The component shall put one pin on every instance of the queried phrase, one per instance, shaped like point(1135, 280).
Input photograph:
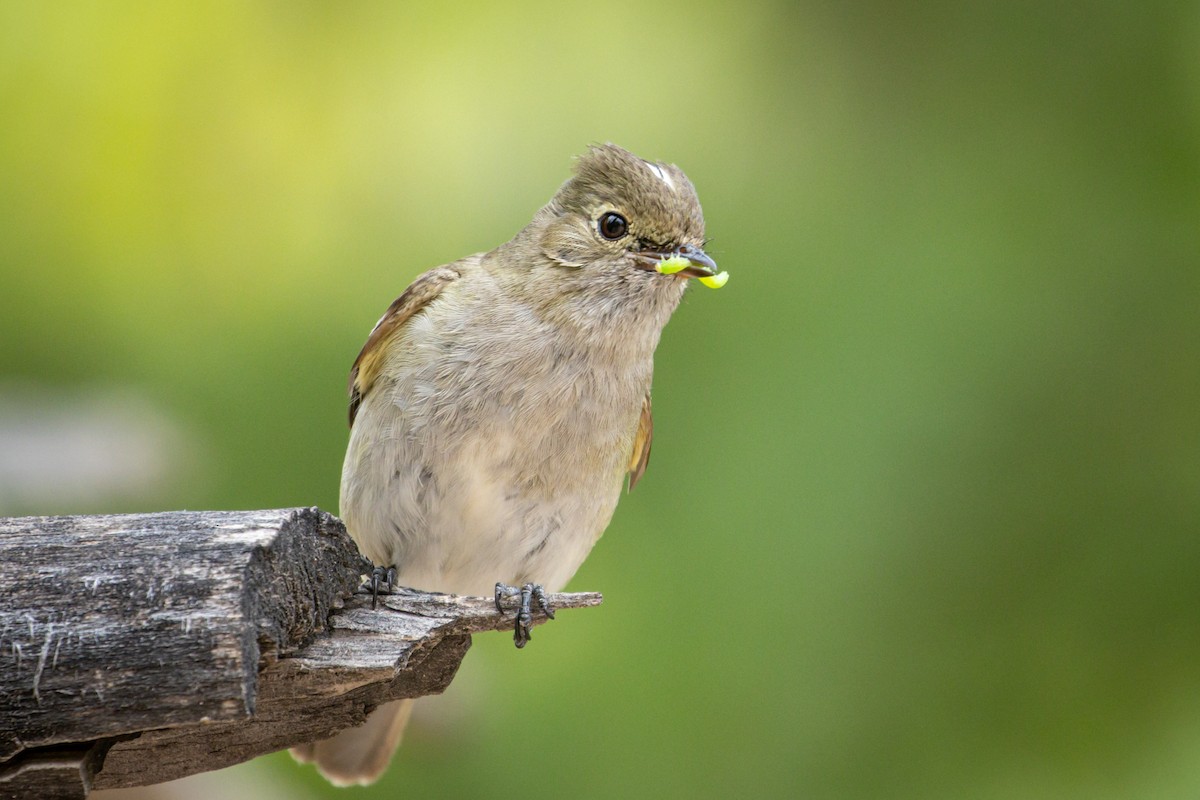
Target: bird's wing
point(370, 359)
point(640, 458)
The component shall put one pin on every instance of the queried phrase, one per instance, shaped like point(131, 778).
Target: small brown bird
point(498, 405)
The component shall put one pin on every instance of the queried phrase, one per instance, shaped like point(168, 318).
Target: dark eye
point(613, 226)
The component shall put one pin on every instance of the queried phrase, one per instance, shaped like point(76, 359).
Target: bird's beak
point(687, 261)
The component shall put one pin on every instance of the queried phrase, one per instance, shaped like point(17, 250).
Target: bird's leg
point(381, 575)
point(529, 593)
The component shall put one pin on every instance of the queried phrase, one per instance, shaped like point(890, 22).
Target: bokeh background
point(923, 515)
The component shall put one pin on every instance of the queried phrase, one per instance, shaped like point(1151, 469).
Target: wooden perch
point(140, 648)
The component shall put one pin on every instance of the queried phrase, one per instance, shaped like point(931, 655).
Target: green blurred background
point(922, 517)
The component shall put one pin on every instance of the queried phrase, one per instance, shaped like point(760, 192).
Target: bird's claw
point(381, 576)
point(529, 594)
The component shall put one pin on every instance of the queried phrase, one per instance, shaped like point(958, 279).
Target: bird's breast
point(504, 455)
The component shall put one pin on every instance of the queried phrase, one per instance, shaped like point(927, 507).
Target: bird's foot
point(529, 594)
point(381, 576)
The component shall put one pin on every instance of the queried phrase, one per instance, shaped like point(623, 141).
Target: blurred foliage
point(922, 518)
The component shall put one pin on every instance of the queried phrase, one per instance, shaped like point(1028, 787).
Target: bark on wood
point(136, 649)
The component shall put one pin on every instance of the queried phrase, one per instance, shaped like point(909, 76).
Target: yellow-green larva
point(669, 266)
point(715, 281)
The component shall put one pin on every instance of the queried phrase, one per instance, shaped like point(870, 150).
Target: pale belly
point(458, 508)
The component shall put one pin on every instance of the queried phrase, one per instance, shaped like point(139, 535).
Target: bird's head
point(633, 220)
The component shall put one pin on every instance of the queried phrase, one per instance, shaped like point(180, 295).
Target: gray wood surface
point(140, 648)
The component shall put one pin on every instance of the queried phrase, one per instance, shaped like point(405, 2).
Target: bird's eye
point(613, 225)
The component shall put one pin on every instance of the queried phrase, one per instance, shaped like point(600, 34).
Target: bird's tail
point(359, 755)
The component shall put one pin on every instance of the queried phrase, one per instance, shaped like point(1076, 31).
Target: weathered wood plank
point(112, 624)
point(136, 649)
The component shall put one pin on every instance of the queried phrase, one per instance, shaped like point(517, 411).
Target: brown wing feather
point(640, 458)
point(370, 358)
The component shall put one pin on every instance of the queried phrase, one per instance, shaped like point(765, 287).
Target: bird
point(502, 401)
